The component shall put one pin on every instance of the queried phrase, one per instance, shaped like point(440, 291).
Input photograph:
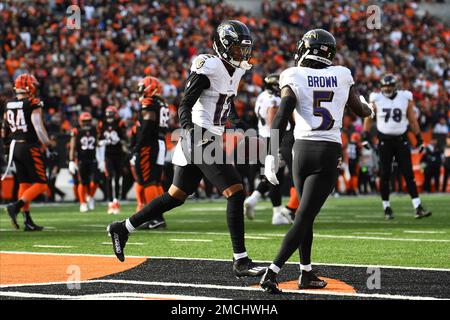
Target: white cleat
point(84, 207)
point(91, 203)
point(277, 218)
point(285, 212)
point(249, 210)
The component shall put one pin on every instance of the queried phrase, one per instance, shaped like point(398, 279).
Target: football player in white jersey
point(266, 106)
point(204, 109)
point(394, 113)
point(317, 93)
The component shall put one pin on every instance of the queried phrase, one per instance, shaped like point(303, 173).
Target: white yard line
point(225, 260)
point(106, 296)
point(191, 240)
point(237, 288)
point(128, 243)
point(52, 246)
point(423, 231)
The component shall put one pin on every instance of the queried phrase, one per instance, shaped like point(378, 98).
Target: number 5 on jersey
point(319, 111)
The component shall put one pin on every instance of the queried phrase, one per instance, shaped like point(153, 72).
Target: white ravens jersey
point(213, 106)
point(321, 98)
point(264, 101)
point(392, 113)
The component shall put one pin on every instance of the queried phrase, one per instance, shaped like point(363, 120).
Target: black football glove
point(419, 144)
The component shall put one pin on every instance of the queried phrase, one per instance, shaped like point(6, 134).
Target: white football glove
point(372, 110)
point(73, 167)
point(102, 166)
point(133, 161)
point(270, 170)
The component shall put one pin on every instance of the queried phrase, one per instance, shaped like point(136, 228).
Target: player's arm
point(368, 120)
point(271, 112)
point(358, 104)
point(148, 129)
point(41, 132)
point(234, 118)
point(284, 113)
point(196, 83)
point(413, 123)
point(279, 123)
point(72, 145)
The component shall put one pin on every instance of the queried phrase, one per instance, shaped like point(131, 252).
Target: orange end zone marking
point(333, 285)
point(42, 268)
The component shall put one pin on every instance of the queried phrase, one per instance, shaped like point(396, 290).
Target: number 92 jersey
point(392, 113)
point(213, 106)
point(321, 98)
point(86, 142)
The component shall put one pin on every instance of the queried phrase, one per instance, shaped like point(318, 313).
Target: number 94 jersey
point(321, 98)
point(392, 113)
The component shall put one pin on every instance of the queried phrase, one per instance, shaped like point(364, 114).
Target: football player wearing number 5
point(317, 93)
point(394, 109)
point(83, 160)
point(23, 116)
point(208, 100)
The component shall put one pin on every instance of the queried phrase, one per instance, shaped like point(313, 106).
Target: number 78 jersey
point(321, 98)
point(392, 113)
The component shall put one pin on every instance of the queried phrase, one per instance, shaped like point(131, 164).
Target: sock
point(140, 196)
point(82, 192)
point(277, 210)
point(22, 188)
point(129, 226)
point(26, 217)
point(416, 202)
point(155, 209)
point(293, 200)
point(241, 255)
point(307, 267)
point(386, 204)
point(32, 192)
point(274, 268)
point(151, 192)
point(235, 220)
point(92, 188)
point(354, 180)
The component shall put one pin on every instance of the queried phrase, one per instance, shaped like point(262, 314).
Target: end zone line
point(227, 260)
point(222, 287)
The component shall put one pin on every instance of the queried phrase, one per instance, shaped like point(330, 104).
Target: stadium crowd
point(118, 43)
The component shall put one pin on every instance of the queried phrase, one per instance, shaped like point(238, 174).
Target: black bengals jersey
point(86, 142)
point(149, 136)
point(114, 133)
point(18, 118)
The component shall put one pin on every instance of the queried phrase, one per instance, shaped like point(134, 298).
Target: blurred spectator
point(432, 161)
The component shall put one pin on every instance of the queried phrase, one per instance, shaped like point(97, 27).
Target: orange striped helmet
point(85, 118)
point(26, 83)
point(149, 86)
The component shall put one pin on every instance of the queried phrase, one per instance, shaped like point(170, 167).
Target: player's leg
point(117, 167)
point(228, 181)
point(31, 169)
point(315, 170)
point(108, 184)
point(84, 180)
point(403, 157)
point(186, 179)
point(275, 197)
point(386, 149)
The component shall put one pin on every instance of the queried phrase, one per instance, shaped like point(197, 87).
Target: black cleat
point(31, 226)
point(269, 282)
point(245, 267)
point(308, 280)
point(13, 210)
point(388, 213)
point(421, 212)
point(157, 224)
point(119, 235)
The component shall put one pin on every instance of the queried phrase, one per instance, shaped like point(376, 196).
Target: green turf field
point(348, 231)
